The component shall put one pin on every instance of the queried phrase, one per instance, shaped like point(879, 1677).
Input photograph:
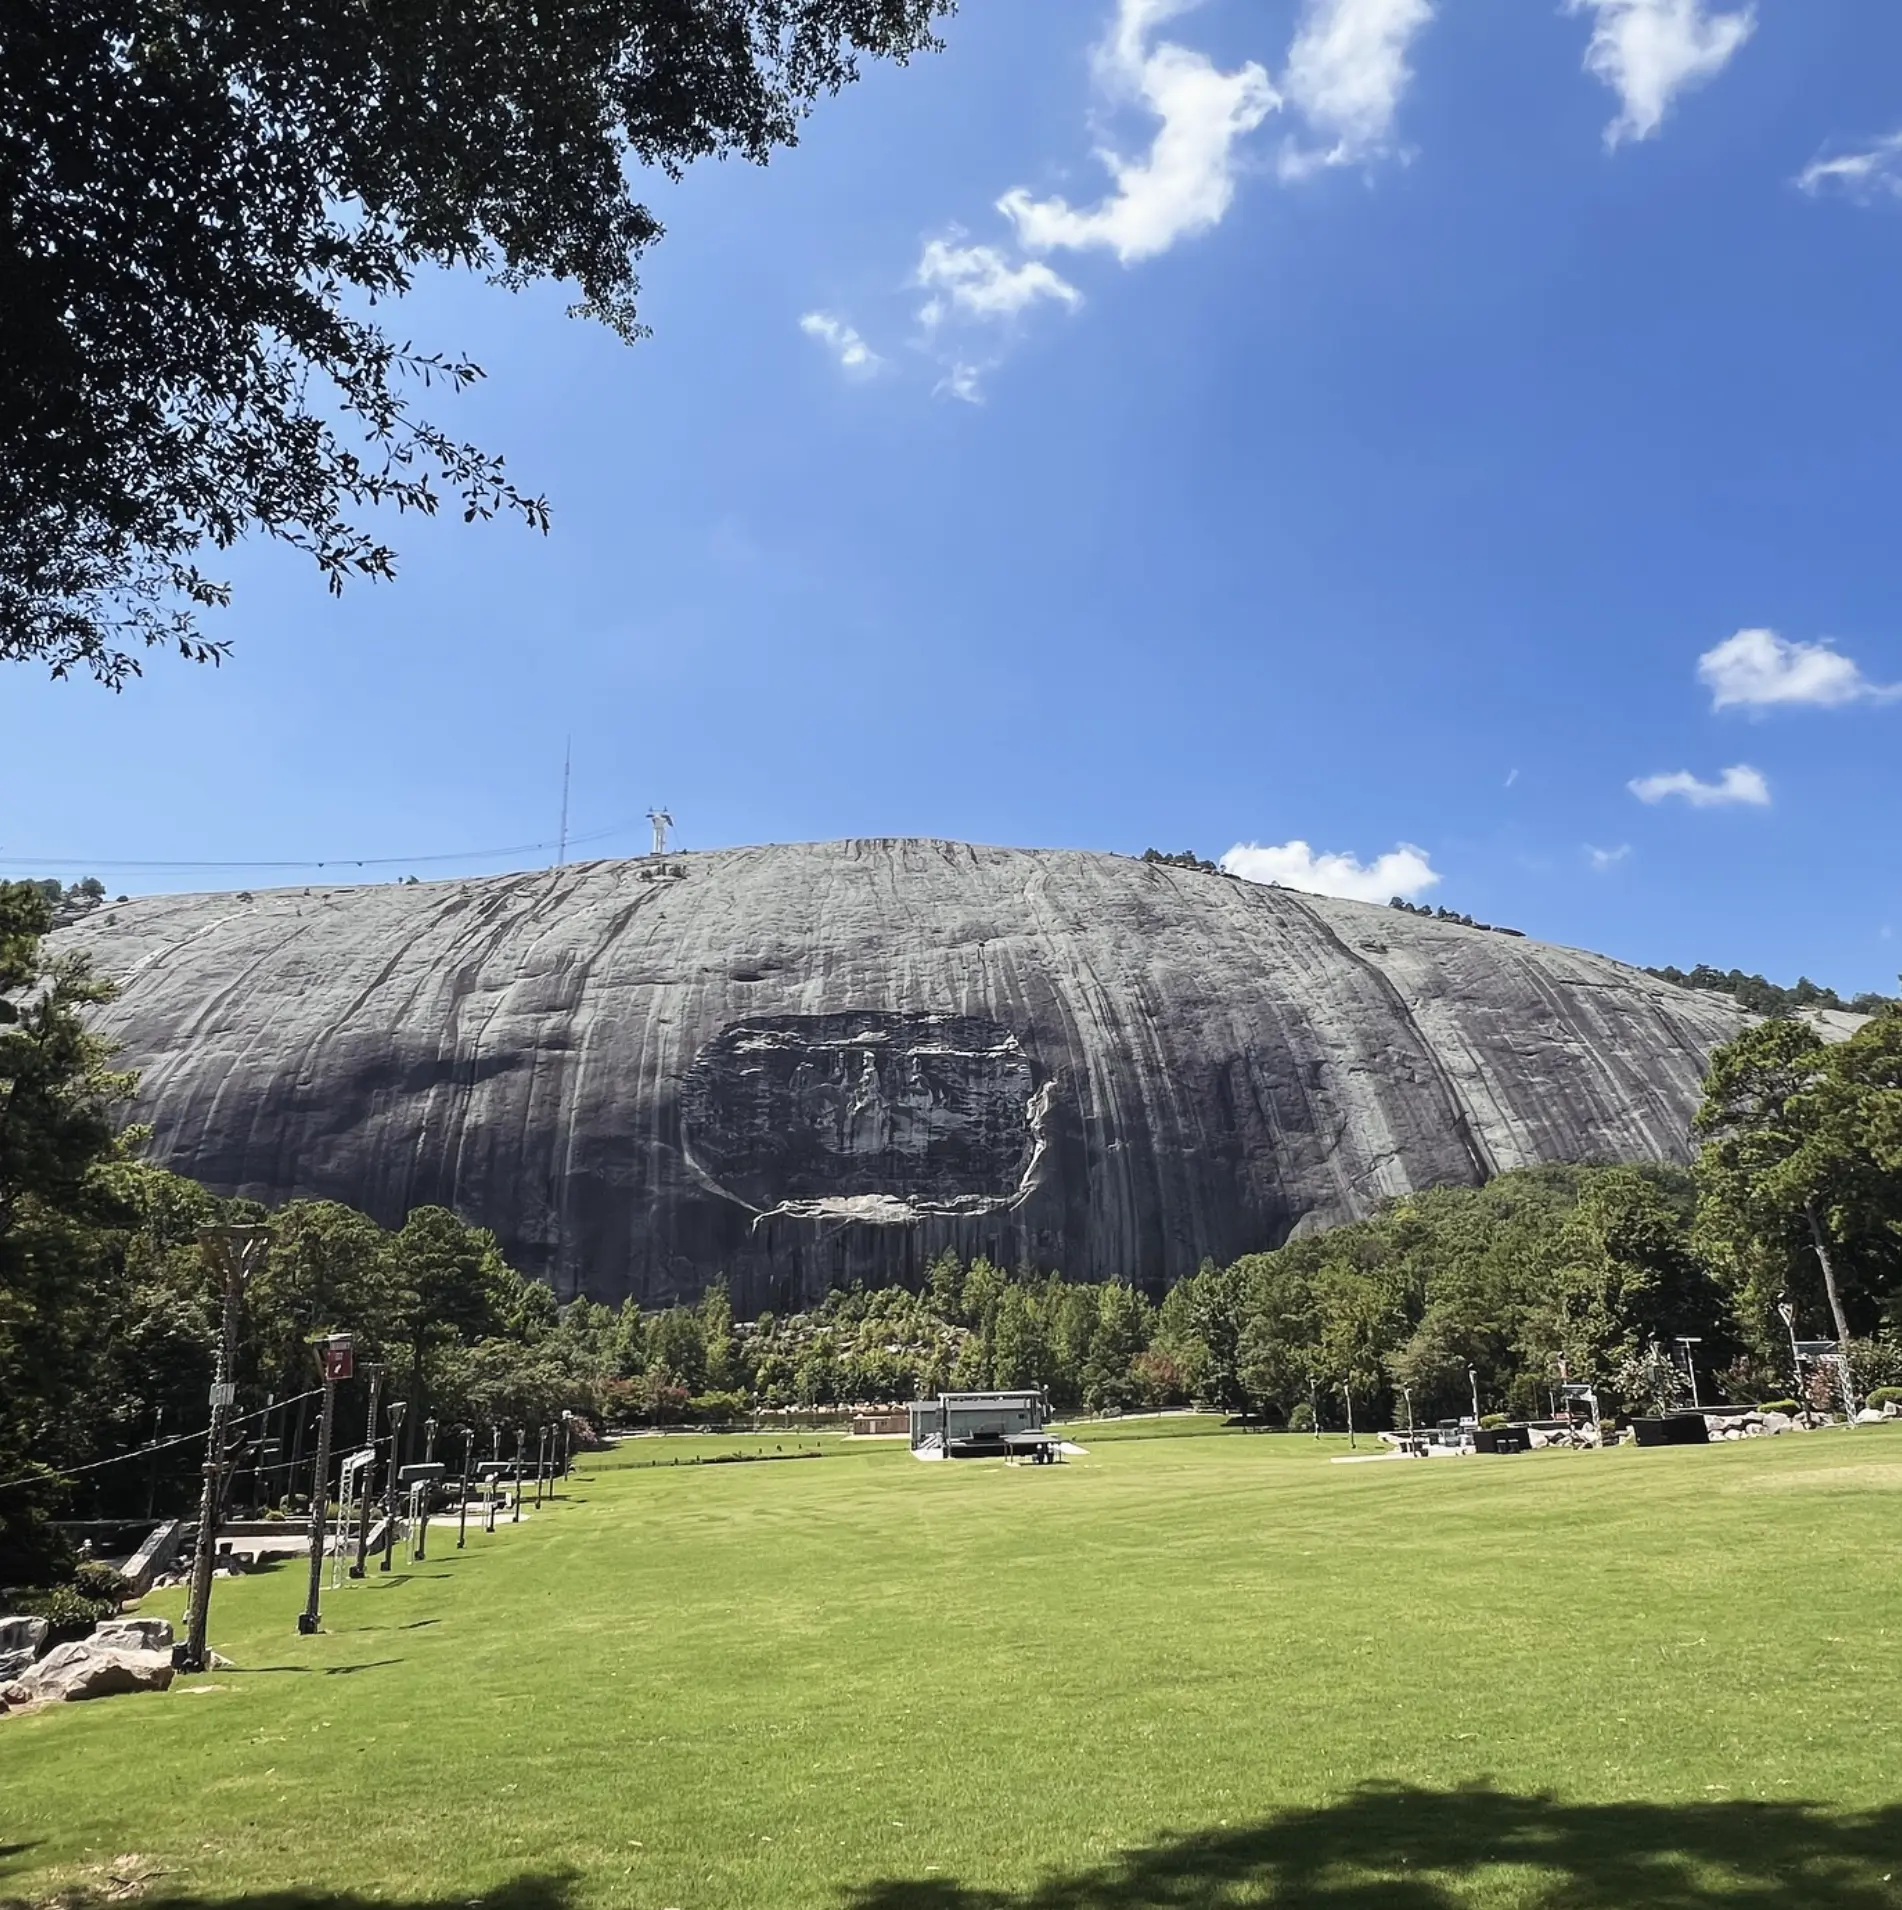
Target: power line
point(332, 862)
point(162, 1445)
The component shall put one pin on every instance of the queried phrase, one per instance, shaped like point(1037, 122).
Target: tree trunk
point(1820, 1241)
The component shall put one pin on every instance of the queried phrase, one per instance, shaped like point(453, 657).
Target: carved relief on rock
point(865, 1114)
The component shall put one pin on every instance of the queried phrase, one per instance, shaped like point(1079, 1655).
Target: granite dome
point(808, 1063)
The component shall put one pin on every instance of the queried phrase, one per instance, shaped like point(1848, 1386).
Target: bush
point(718, 1406)
point(1492, 1421)
point(1886, 1396)
point(1788, 1407)
point(103, 1583)
point(1301, 1418)
point(70, 1614)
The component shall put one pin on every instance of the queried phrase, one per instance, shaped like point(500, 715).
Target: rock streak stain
point(802, 1064)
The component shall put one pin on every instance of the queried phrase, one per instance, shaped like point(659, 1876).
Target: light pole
point(1472, 1380)
point(567, 1441)
point(397, 1409)
point(1687, 1341)
point(1347, 1393)
point(151, 1484)
point(335, 1356)
point(1788, 1311)
point(1314, 1405)
point(232, 1254)
point(423, 1492)
point(369, 1476)
point(521, 1440)
point(462, 1507)
point(1406, 1393)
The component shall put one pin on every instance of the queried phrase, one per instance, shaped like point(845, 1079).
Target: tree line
point(1763, 997)
point(1591, 1274)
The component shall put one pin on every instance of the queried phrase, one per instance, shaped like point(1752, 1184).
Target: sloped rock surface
point(815, 1062)
point(134, 1634)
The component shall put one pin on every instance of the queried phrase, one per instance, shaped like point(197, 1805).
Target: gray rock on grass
point(87, 1669)
point(19, 1632)
point(134, 1634)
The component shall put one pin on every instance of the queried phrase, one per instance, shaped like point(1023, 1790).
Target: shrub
point(718, 1406)
point(1886, 1396)
point(70, 1614)
point(101, 1582)
point(1785, 1406)
point(1301, 1418)
point(1492, 1421)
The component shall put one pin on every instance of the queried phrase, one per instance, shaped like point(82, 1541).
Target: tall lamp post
point(462, 1504)
point(397, 1409)
point(1472, 1380)
point(336, 1356)
point(231, 1254)
point(369, 1477)
point(1687, 1341)
point(424, 1492)
point(1788, 1312)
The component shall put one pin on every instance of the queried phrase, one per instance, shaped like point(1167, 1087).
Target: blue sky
point(1450, 441)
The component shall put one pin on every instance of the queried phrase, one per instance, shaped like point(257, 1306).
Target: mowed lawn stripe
point(777, 1684)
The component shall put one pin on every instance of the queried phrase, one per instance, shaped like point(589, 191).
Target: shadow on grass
point(93, 1886)
point(308, 1671)
point(1402, 1848)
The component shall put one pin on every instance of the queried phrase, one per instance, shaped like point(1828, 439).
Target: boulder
point(88, 1669)
point(14, 1663)
point(1871, 1416)
point(21, 1633)
point(134, 1634)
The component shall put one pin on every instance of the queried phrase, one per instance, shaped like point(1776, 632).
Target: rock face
point(134, 1634)
point(23, 1634)
point(798, 1065)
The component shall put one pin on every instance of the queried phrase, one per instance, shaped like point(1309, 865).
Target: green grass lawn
point(1179, 1671)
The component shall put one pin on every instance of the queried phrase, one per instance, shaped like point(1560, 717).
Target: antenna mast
point(662, 822)
point(567, 758)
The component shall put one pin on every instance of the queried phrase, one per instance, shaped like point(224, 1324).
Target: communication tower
point(662, 822)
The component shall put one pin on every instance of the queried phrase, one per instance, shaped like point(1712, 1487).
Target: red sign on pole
point(339, 1357)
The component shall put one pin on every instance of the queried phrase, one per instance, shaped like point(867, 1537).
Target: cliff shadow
point(1399, 1847)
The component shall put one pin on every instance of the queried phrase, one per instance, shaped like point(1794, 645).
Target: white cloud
point(1605, 859)
point(1738, 784)
point(1648, 51)
point(978, 281)
point(961, 381)
point(1346, 72)
point(1403, 871)
point(1757, 668)
point(1864, 175)
point(1185, 182)
point(847, 346)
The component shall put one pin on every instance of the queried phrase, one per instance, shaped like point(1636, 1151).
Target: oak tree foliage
point(204, 210)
